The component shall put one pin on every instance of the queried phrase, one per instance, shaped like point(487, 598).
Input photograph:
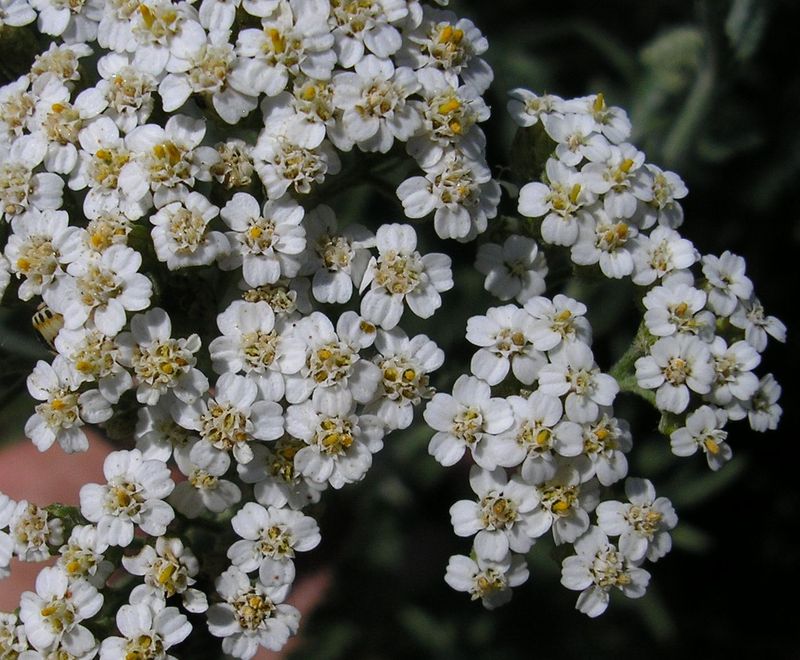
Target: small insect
point(48, 324)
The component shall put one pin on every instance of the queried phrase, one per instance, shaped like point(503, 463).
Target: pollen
point(449, 106)
point(276, 40)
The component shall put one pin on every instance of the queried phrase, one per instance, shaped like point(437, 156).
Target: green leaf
point(691, 539)
point(744, 26)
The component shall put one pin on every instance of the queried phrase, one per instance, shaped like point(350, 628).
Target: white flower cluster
point(545, 454)
point(104, 201)
point(121, 177)
point(703, 327)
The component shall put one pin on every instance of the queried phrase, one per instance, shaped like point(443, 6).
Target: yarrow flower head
point(191, 189)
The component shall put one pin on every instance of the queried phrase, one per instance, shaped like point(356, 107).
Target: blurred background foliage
point(713, 94)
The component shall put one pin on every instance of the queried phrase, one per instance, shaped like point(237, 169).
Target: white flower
point(703, 431)
point(488, 580)
point(102, 156)
point(39, 248)
point(127, 89)
point(101, 287)
point(83, 556)
point(557, 321)
point(675, 365)
point(289, 299)
point(168, 569)
point(677, 307)
point(166, 157)
point(115, 30)
point(563, 503)
point(232, 419)
point(527, 108)
point(733, 372)
point(251, 343)
point(252, 614)
point(622, 180)
point(60, 60)
point(17, 99)
point(763, 410)
point(663, 208)
point(499, 518)
point(606, 241)
point(154, 27)
point(460, 190)
point(60, 121)
point(573, 371)
point(373, 100)
point(74, 23)
point(284, 157)
point(204, 489)
point(309, 112)
point(234, 168)
point(727, 282)
point(444, 41)
point(449, 115)
point(265, 242)
point(660, 253)
point(749, 316)
point(5, 275)
point(146, 628)
point(95, 358)
point(504, 335)
point(157, 435)
point(105, 229)
point(160, 363)
point(605, 443)
point(63, 409)
point(54, 613)
point(576, 138)
point(515, 269)
point(220, 14)
point(276, 482)
point(357, 25)
point(20, 188)
point(333, 366)
point(31, 530)
point(273, 533)
point(611, 121)
point(16, 13)
point(133, 494)
point(181, 237)
point(293, 39)
point(336, 259)
point(401, 274)
point(537, 438)
point(559, 201)
point(339, 443)
point(12, 638)
point(465, 419)
point(596, 568)
point(405, 364)
point(206, 67)
point(643, 524)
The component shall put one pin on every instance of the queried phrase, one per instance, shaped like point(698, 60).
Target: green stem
point(679, 143)
point(624, 371)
